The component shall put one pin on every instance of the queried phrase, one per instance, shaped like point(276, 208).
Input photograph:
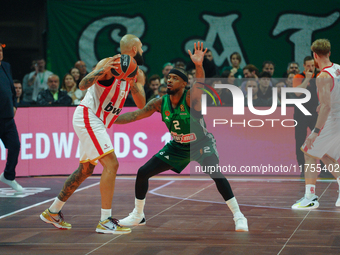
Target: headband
point(179, 73)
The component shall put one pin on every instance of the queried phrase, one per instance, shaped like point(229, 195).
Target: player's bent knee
point(142, 173)
point(110, 162)
point(86, 169)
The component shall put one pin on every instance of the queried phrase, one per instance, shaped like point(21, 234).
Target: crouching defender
point(193, 144)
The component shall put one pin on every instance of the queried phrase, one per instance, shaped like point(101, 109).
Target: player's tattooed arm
point(137, 90)
point(151, 107)
point(91, 78)
point(103, 67)
point(74, 180)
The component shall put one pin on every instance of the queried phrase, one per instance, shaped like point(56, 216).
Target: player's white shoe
point(13, 184)
point(306, 204)
point(134, 219)
point(337, 203)
point(241, 224)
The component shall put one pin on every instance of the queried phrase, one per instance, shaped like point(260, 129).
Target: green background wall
point(281, 31)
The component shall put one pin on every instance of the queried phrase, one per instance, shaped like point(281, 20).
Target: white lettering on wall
point(140, 145)
point(63, 144)
point(39, 137)
point(3, 150)
point(26, 145)
point(221, 27)
point(117, 144)
point(302, 28)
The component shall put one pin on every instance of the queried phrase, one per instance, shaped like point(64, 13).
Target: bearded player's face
point(139, 55)
point(174, 84)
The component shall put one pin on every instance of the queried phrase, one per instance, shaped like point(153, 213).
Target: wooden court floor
point(184, 216)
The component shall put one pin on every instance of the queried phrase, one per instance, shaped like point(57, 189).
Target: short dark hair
point(265, 75)
point(308, 58)
point(225, 74)
point(293, 62)
point(16, 81)
point(154, 77)
point(268, 62)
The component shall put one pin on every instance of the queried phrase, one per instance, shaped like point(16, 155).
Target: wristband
point(316, 130)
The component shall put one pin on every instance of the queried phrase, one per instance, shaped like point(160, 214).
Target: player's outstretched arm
point(194, 94)
point(137, 90)
point(151, 107)
point(101, 69)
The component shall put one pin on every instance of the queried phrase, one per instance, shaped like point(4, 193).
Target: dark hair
point(268, 62)
point(308, 58)
point(293, 62)
point(225, 74)
point(238, 56)
point(22, 92)
point(251, 68)
point(265, 75)
point(154, 77)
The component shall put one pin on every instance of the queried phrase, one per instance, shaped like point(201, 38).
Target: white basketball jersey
point(107, 101)
point(334, 72)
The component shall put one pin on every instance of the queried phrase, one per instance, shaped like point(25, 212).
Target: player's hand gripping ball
point(127, 69)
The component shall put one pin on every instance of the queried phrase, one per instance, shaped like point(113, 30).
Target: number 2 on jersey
point(176, 124)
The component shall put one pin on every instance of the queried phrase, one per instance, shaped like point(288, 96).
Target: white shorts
point(328, 141)
point(94, 141)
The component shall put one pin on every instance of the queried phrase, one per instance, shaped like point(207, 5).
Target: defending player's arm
point(103, 67)
point(151, 107)
point(193, 98)
point(324, 84)
point(137, 90)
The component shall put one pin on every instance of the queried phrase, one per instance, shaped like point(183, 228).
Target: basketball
point(128, 68)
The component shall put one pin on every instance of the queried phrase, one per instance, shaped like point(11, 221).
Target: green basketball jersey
point(184, 127)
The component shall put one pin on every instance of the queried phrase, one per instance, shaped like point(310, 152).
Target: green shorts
point(180, 155)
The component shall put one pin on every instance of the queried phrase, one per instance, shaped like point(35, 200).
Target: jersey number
point(176, 124)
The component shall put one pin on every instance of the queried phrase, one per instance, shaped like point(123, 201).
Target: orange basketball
point(128, 68)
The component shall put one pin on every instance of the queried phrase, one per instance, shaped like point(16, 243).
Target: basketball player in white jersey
point(324, 141)
point(97, 111)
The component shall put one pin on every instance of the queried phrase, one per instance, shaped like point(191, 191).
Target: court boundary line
point(43, 202)
point(215, 202)
point(309, 211)
point(162, 186)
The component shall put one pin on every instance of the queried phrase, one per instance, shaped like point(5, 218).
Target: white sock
point(338, 180)
point(310, 191)
point(56, 206)
point(105, 213)
point(234, 208)
point(139, 205)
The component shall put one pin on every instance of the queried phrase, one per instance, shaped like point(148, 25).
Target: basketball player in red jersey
point(324, 141)
point(101, 106)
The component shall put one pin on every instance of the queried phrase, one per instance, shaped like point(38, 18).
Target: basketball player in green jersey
point(191, 141)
